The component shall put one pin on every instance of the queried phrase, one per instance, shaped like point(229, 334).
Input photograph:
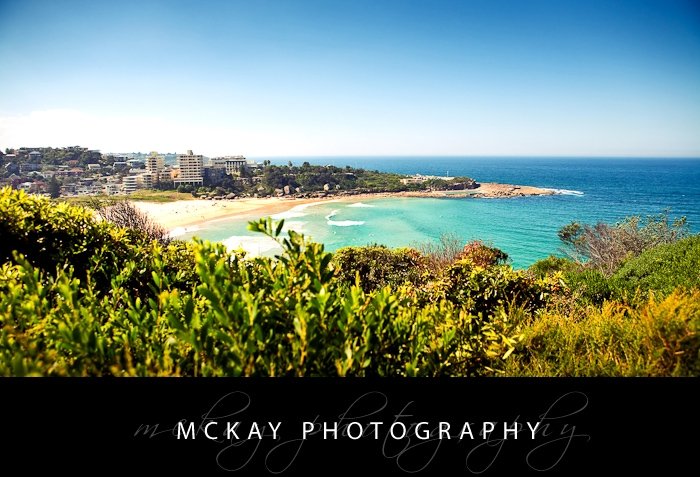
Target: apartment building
point(190, 169)
point(155, 163)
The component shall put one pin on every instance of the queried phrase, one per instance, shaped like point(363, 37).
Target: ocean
point(592, 190)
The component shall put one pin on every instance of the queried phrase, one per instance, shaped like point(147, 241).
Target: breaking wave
point(567, 192)
point(297, 211)
point(345, 223)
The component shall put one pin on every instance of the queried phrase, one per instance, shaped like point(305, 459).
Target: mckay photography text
point(241, 439)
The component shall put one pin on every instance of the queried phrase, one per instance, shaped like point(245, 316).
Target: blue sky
point(381, 77)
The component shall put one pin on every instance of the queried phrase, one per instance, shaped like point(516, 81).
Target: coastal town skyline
point(539, 78)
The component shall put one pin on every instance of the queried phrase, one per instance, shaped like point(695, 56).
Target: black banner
point(350, 426)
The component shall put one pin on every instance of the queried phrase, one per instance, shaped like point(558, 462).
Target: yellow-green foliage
point(289, 319)
point(51, 235)
point(207, 312)
point(658, 338)
point(85, 298)
point(486, 289)
point(378, 266)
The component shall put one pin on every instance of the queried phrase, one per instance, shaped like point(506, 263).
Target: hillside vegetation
point(81, 297)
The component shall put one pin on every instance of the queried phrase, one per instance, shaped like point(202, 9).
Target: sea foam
point(290, 214)
point(567, 192)
point(298, 210)
point(360, 204)
point(345, 223)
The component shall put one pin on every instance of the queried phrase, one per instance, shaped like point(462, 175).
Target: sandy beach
point(183, 214)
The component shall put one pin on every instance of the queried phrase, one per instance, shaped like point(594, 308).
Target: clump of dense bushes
point(660, 270)
point(377, 266)
point(485, 289)
point(476, 278)
point(483, 255)
point(57, 235)
point(550, 265)
point(289, 316)
point(83, 297)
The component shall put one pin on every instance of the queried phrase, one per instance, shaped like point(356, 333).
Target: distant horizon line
point(494, 156)
point(378, 156)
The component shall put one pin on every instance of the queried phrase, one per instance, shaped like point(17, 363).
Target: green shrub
point(485, 290)
point(551, 265)
point(588, 285)
point(661, 270)
point(378, 266)
point(111, 302)
point(51, 235)
point(289, 316)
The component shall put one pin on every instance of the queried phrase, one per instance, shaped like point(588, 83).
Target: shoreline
point(182, 216)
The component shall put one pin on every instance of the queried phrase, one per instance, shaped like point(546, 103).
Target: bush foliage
point(658, 338)
point(289, 316)
point(84, 297)
point(660, 270)
point(377, 266)
point(482, 255)
point(484, 290)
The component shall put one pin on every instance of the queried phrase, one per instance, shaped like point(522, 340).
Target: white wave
point(313, 204)
point(254, 246)
point(290, 214)
point(360, 204)
point(332, 214)
point(298, 210)
point(567, 192)
point(178, 231)
point(345, 223)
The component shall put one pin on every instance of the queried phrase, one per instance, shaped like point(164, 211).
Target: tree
point(125, 214)
point(54, 188)
point(245, 172)
point(605, 247)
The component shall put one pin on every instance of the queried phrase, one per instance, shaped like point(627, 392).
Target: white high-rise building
point(155, 162)
point(129, 184)
point(190, 169)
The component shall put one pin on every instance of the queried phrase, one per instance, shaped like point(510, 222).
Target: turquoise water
point(526, 228)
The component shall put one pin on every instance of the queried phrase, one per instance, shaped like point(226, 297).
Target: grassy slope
point(144, 195)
